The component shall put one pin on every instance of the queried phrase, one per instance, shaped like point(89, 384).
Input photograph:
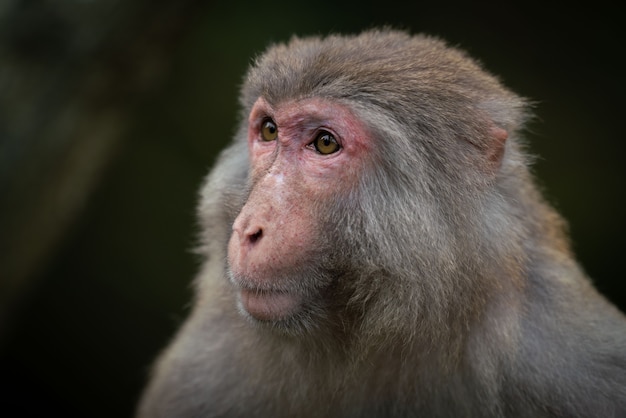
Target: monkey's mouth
point(269, 305)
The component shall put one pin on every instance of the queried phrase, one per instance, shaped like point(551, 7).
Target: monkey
point(375, 245)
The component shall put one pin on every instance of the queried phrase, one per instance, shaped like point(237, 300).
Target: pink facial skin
point(276, 229)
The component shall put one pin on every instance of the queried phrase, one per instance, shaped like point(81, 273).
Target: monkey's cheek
point(270, 305)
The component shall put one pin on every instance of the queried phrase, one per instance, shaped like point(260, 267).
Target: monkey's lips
point(270, 305)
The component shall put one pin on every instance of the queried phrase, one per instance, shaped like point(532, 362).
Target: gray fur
point(455, 291)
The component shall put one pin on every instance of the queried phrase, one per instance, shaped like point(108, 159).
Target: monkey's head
point(375, 165)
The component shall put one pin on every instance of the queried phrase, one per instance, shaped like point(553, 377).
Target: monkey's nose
point(248, 233)
point(255, 236)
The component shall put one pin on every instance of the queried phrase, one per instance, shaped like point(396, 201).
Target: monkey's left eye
point(269, 130)
point(325, 143)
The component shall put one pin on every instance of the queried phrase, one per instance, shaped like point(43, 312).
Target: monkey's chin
point(265, 305)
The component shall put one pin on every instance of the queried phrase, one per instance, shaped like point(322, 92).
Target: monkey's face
point(303, 155)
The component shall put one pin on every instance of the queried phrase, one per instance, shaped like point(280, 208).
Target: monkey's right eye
point(269, 131)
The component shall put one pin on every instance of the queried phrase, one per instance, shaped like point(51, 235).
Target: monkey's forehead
point(410, 76)
point(377, 62)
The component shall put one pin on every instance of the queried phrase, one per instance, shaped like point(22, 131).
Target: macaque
point(375, 246)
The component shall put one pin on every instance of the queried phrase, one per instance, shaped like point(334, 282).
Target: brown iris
point(269, 131)
point(325, 143)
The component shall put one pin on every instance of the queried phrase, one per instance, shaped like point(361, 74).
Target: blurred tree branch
point(72, 73)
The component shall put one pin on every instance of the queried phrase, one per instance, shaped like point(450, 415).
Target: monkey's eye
point(269, 131)
point(325, 143)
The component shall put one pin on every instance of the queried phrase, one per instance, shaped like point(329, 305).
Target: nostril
point(256, 236)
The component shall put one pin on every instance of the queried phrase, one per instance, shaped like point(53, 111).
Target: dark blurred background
point(112, 112)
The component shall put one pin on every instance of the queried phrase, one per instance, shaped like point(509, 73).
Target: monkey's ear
point(495, 151)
